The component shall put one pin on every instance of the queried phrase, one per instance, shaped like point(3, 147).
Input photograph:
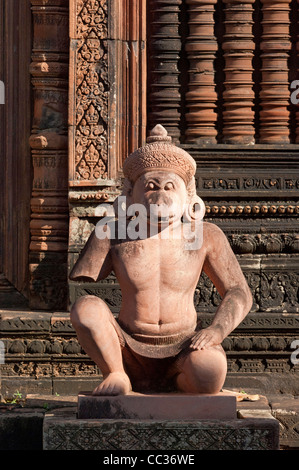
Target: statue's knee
point(88, 311)
point(204, 372)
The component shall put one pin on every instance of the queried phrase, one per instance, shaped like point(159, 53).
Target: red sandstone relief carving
point(90, 76)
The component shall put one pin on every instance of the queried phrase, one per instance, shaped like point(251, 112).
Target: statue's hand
point(210, 336)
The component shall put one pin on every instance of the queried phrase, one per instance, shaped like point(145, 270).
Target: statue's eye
point(151, 185)
point(168, 186)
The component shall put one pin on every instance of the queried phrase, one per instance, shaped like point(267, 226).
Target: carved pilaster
point(49, 203)
point(201, 96)
point(107, 87)
point(164, 102)
point(88, 91)
point(238, 46)
point(275, 94)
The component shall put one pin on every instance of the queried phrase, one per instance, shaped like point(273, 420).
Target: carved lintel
point(255, 209)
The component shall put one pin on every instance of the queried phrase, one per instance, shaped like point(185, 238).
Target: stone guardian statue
point(156, 343)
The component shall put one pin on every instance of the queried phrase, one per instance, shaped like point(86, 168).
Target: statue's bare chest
point(156, 261)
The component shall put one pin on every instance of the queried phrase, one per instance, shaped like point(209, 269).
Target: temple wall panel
point(217, 74)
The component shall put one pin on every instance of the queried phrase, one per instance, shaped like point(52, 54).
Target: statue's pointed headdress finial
point(159, 134)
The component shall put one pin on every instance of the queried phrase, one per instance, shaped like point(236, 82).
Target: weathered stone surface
point(48, 402)
point(63, 431)
point(285, 409)
point(160, 406)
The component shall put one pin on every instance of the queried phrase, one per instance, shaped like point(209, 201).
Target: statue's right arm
point(94, 262)
point(223, 269)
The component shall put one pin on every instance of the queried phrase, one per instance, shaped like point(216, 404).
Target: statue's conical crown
point(159, 154)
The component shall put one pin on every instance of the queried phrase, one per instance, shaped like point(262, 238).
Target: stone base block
point(64, 431)
point(173, 406)
point(21, 429)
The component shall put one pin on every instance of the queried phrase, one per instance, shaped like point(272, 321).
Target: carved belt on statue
point(158, 347)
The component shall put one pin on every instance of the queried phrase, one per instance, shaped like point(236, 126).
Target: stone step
point(20, 421)
point(62, 430)
point(171, 406)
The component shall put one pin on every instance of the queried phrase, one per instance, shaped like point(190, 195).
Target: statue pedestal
point(161, 406)
point(163, 428)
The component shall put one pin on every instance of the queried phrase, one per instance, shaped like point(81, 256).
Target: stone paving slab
point(50, 401)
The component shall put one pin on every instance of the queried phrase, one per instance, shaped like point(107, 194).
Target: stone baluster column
point(275, 87)
point(238, 96)
point(201, 97)
point(48, 141)
point(136, 75)
point(164, 100)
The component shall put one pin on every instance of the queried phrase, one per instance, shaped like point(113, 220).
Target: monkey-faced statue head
point(160, 176)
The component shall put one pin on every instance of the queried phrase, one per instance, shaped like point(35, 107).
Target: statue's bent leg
point(97, 333)
point(202, 371)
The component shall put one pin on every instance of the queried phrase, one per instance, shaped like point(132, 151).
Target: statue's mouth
point(160, 218)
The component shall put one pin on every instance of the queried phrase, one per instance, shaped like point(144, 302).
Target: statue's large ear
point(195, 210)
point(195, 207)
point(123, 201)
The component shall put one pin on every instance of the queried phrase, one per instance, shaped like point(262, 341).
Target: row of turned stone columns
point(164, 85)
point(239, 94)
point(275, 86)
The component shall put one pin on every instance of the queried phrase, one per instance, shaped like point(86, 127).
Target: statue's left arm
point(222, 267)
point(94, 262)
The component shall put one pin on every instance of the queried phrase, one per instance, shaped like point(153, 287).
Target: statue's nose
point(160, 198)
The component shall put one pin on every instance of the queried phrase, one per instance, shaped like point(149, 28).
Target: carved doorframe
point(15, 174)
point(49, 151)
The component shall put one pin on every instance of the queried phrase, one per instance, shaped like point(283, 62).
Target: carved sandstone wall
point(220, 86)
point(213, 69)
